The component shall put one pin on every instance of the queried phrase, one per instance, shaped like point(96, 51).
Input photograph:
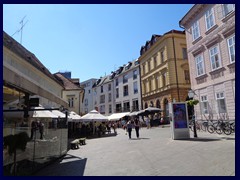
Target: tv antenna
point(21, 29)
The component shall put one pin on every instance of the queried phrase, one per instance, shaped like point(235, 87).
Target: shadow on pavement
point(67, 166)
point(201, 139)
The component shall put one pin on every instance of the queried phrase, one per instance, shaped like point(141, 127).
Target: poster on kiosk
point(179, 120)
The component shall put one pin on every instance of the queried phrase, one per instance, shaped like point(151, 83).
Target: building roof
point(26, 55)
point(67, 83)
point(155, 38)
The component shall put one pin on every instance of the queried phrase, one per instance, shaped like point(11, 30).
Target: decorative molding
point(229, 30)
point(198, 50)
point(214, 40)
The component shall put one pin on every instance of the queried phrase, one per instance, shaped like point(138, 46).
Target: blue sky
point(89, 40)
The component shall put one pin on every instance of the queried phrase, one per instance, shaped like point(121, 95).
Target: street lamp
point(191, 94)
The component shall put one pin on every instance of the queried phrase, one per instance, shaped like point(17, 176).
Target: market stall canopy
point(73, 117)
point(93, 116)
point(117, 116)
point(135, 113)
point(149, 110)
point(42, 113)
point(58, 113)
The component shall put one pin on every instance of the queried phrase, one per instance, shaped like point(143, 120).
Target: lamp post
point(191, 95)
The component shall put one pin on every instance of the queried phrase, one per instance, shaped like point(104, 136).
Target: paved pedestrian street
point(154, 154)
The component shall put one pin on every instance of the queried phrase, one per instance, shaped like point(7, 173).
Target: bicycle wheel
point(227, 131)
point(219, 130)
point(210, 129)
point(204, 126)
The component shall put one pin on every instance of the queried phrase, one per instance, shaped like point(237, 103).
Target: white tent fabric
point(58, 113)
point(43, 113)
point(93, 116)
point(73, 117)
point(117, 116)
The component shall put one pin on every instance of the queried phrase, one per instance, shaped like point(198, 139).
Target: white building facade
point(87, 104)
point(127, 88)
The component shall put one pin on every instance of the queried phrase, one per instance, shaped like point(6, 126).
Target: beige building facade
point(164, 70)
point(210, 33)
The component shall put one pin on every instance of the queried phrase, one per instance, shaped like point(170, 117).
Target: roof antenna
point(21, 29)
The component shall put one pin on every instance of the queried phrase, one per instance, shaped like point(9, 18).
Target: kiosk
point(179, 120)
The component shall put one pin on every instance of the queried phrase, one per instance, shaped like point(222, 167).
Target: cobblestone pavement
point(153, 154)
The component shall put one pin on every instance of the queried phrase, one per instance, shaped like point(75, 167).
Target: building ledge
point(231, 65)
point(201, 76)
point(217, 70)
point(196, 40)
point(211, 29)
point(215, 39)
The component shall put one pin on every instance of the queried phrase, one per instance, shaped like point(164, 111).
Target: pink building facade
point(210, 33)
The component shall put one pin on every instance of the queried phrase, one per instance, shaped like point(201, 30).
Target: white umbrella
point(73, 117)
point(93, 116)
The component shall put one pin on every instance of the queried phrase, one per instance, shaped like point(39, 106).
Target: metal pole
point(194, 125)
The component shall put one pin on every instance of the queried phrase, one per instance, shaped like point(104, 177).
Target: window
point(184, 52)
point(195, 30)
point(164, 76)
point(135, 88)
point(209, 18)
point(125, 78)
point(109, 97)
point(110, 108)
point(101, 89)
point(89, 91)
point(199, 65)
point(116, 82)
point(134, 74)
point(118, 107)
point(221, 102)
point(71, 102)
point(204, 105)
point(125, 90)
point(155, 61)
point(231, 48)
point(149, 65)
point(86, 102)
point(117, 93)
point(102, 98)
point(102, 109)
point(187, 76)
point(135, 105)
point(109, 87)
point(126, 106)
point(162, 57)
point(214, 57)
point(227, 8)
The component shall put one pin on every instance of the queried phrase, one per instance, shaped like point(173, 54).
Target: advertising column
point(179, 120)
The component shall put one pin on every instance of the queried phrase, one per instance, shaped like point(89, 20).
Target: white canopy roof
point(58, 113)
point(43, 113)
point(117, 116)
point(73, 117)
point(93, 116)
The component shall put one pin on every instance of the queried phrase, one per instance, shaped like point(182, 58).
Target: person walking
point(137, 126)
point(148, 122)
point(129, 129)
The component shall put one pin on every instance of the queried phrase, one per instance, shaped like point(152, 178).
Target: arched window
point(158, 105)
point(146, 105)
point(151, 103)
point(166, 107)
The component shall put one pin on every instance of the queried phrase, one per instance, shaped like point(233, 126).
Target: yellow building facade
point(164, 70)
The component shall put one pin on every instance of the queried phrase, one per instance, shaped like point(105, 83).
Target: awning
point(117, 116)
point(43, 113)
point(73, 117)
point(58, 113)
